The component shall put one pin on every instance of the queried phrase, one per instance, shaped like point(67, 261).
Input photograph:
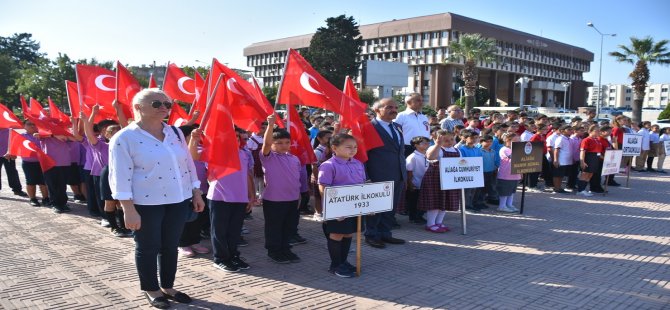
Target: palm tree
point(471, 48)
point(641, 52)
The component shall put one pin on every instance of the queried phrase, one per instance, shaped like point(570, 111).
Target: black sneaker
point(79, 198)
point(127, 232)
point(241, 264)
point(242, 242)
point(306, 212)
point(296, 239)
point(46, 201)
point(57, 209)
point(65, 208)
point(34, 202)
point(560, 191)
point(349, 266)
point(20, 193)
point(279, 258)
point(292, 257)
point(342, 272)
point(227, 266)
point(118, 232)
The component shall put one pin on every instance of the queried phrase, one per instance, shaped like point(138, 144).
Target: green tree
point(8, 73)
point(642, 53)
point(21, 47)
point(45, 79)
point(271, 93)
point(334, 50)
point(665, 114)
point(367, 96)
point(471, 48)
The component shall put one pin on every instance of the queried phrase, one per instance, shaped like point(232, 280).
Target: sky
point(190, 33)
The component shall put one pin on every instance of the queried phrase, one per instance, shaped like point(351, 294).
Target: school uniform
point(417, 163)
point(491, 161)
point(320, 153)
point(255, 144)
point(31, 165)
point(573, 170)
point(9, 164)
point(546, 166)
point(641, 159)
point(280, 198)
point(73, 177)
point(472, 195)
point(507, 181)
point(56, 177)
point(99, 161)
point(432, 197)
point(562, 143)
point(595, 182)
point(92, 198)
point(228, 198)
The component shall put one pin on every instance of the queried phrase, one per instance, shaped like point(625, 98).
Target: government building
point(418, 47)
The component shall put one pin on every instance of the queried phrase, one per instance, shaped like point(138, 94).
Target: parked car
point(661, 123)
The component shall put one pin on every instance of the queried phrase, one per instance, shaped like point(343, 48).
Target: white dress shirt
point(413, 125)
point(148, 171)
point(387, 127)
point(645, 138)
point(418, 164)
point(525, 136)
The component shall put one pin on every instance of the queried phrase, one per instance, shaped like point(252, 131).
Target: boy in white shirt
point(642, 159)
point(416, 164)
point(562, 156)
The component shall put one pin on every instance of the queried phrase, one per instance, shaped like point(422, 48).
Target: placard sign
point(527, 157)
point(461, 172)
point(612, 162)
point(354, 200)
point(632, 144)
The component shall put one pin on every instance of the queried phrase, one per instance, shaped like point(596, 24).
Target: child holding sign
point(341, 169)
point(589, 154)
point(507, 181)
point(665, 136)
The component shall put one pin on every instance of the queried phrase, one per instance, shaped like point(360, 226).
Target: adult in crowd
point(10, 165)
point(455, 118)
point(152, 174)
point(412, 121)
point(385, 163)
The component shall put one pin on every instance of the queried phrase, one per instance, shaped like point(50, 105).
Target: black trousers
point(490, 181)
point(378, 226)
point(91, 196)
point(596, 179)
point(12, 174)
point(191, 233)
point(411, 202)
point(56, 181)
point(573, 172)
point(156, 242)
point(279, 224)
point(226, 219)
point(98, 194)
point(546, 174)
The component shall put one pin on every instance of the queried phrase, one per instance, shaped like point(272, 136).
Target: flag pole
point(281, 82)
point(208, 107)
point(69, 104)
point(76, 73)
point(165, 76)
point(358, 245)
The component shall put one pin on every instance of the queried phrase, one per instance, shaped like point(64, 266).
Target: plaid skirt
point(431, 197)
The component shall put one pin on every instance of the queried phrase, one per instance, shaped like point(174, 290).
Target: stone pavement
point(603, 252)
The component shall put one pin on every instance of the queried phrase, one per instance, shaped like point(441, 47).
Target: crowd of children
point(273, 178)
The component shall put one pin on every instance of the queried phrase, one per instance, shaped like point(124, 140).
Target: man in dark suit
point(385, 163)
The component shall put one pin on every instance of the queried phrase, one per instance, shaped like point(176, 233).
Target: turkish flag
point(200, 104)
point(126, 88)
point(178, 85)
point(247, 113)
point(73, 101)
point(97, 85)
point(300, 145)
point(302, 85)
point(8, 120)
point(265, 103)
point(35, 108)
point(152, 82)
point(57, 114)
point(357, 120)
point(219, 141)
point(199, 84)
point(45, 124)
point(177, 116)
point(20, 146)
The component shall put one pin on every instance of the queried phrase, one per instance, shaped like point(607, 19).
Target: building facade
point(423, 43)
point(621, 96)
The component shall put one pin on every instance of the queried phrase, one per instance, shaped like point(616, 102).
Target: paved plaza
point(603, 252)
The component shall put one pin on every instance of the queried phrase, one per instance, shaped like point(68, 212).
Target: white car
point(661, 123)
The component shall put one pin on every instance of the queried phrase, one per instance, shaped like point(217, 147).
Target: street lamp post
point(566, 85)
point(600, 73)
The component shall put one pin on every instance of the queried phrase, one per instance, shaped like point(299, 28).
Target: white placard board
point(666, 145)
point(632, 144)
point(354, 200)
point(461, 172)
point(612, 162)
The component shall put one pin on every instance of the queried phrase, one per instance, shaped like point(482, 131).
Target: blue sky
point(140, 32)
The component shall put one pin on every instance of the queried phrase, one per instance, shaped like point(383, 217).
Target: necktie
point(395, 135)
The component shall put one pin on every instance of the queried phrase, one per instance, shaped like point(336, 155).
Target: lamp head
point(590, 24)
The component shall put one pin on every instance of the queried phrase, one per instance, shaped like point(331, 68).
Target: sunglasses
point(157, 104)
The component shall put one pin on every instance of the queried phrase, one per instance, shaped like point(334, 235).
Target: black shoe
point(296, 239)
point(342, 272)
point(392, 240)
point(34, 202)
point(242, 242)
point(560, 191)
point(418, 221)
point(279, 258)
point(46, 201)
point(395, 226)
point(117, 232)
point(403, 213)
point(598, 190)
point(306, 212)
point(241, 264)
point(473, 210)
point(493, 201)
point(292, 257)
point(613, 184)
point(349, 266)
point(179, 297)
point(79, 198)
point(57, 209)
point(375, 243)
point(20, 193)
point(66, 208)
point(159, 302)
point(227, 266)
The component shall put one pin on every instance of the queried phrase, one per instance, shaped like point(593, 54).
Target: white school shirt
point(148, 171)
point(418, 164)
point(653, 137)
point(413, 124)
point(252, 145)
point(664, 137)
point(645, 138)
point(525, 136)
point(562, 143)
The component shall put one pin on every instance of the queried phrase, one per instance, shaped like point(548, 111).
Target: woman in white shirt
point(152, 174)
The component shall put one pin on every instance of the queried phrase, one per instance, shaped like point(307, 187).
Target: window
point(651, 99)
point(611, 98)
point(410, 38)
point(651, 90)
point(664, 98)
point(400, 38)
point(426, 36)
point(664, 90)
point(627, 98)
point(612, 90)
point(627, 91)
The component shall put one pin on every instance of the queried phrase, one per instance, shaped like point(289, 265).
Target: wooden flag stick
point(208, 107)
point(358, 245)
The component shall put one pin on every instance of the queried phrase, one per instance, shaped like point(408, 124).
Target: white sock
point(503, 202)
point(510, 199)
point(430, 217)
point(440, 216)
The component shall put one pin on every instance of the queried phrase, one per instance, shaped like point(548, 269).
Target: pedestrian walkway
point(565, 252)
